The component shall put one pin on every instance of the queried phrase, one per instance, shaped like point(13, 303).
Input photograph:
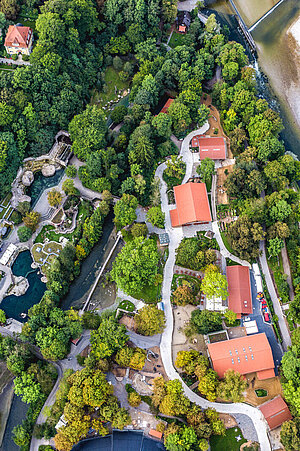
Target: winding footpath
point(176, 236)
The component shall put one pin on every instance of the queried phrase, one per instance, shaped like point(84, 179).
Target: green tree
point(118, 113)
point(71, 171)
point(156, 217)
point(135, 267)
point(10, 8)
point(290, 435)
point(21, 436)
point(183, 295)
point(24, 233)
point(139, 229)
point(150, 320)
point(69, 188)
point(206, 170)
point(27, 388)
point(31, 220)
point(125, 211)
point(206, 321)
point(230, 317)
point(108, 338)
point(54, 198)
point(134, 399)
point(202, 114)
point(88, 131)
point(183, 440)
point(173, 402)
point(275, 246)
point(2, 317)
point(232, 387)
point(214, 284)
point(162, 124)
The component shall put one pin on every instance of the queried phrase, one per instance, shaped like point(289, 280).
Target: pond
point(15, 305)
point(41, 183)
point(120, 441)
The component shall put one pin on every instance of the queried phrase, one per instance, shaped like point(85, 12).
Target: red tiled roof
point(245, 354)
point(210, 147)
point(275, 412)
point(155, 433)
point(239, 289)
point(182, 28)
point(18, 36)
point(192, 204)
point(166, 105)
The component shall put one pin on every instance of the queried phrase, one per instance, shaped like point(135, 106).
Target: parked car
point(267, 317)
point(247, 318)
point(264, 303)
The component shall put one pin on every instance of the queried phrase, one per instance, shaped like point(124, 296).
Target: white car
point(247, 318)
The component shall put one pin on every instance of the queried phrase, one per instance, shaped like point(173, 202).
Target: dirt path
point(287, 271)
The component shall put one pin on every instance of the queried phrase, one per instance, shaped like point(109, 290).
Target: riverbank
point(6, 398)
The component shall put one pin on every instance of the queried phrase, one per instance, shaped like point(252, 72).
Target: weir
point(265, 15)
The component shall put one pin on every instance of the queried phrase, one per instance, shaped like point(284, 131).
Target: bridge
point(244, 29)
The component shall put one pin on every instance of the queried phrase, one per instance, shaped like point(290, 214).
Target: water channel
point(278, 57)
point(41, 183)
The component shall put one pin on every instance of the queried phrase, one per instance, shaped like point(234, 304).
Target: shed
point(275, 412)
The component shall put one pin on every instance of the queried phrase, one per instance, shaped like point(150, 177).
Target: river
point(278, 57)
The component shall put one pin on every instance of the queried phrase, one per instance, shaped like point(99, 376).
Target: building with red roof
point(249, 354)
point(275, 412)
point(18, 39)
point(156, 434)
point(210, 147)
point(167, 106)
point(192, 206)
point(239, 290)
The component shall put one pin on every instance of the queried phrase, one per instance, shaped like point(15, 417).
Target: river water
point(278, 57)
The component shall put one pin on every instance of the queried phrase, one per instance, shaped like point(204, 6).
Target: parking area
point(262, 325)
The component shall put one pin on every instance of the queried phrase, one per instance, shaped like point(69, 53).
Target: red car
point(264, 304)
point(267, 317)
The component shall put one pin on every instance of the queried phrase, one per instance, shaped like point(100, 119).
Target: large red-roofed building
point(275, 412)
point(249, 354)
point(239, 290)
point(212, 147)
point(192, 206)
point(18, 39)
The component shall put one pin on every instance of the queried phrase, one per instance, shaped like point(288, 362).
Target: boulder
point(27, 178)
point(48, 170)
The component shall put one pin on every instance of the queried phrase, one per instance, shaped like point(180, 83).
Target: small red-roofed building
point(239, 290)
point(212, 147)
point(182, 28)
point(249, 354)
point(167, 106)
point(275, 412)
point(18, 39)
point(156, 434)
point(192, 205)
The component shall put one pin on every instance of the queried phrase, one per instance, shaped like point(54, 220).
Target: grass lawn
point(52, 247)
point(127, 305)
point(228, 441)
point(177, 39)
point(183, 278)
point(226, 243)
point(148, 294)
point(111, 80)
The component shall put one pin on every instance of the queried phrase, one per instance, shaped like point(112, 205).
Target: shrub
point(156, 217)
point(15, 57)
point(134, 399)
point(123, 76)
point(25, 57)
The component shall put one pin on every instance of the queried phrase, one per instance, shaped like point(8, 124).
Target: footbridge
point(243, 28)
point(265, 15)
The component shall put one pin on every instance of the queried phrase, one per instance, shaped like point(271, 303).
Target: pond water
point(41, 183)
point(16, 416)
point(15, 305)
point(120, 441)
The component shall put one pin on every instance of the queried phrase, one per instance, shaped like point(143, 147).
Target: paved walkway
point(19, 62)
point(286, 338)
point(287, 271)
point(176, 236)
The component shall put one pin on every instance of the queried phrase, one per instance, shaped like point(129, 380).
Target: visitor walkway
point(176, 235)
